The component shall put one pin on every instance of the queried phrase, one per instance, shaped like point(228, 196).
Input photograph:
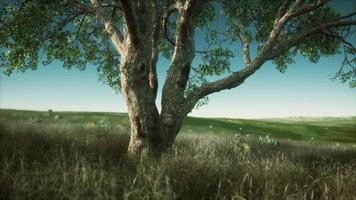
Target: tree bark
point(140, 100)
point(151, 134)
point(138, 75)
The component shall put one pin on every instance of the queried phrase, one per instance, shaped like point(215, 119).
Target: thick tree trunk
point(168, 130)
point(150, 133)
point(137, 45)
point(140, 100)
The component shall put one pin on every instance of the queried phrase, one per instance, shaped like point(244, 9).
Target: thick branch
point(269, 49)
point(236, 78)
point(279, 23)
point(308, 8)
point(296, 9)
point(184, 51)
point(194, 7)
point(80, 7)
point(233, 80)
point(155, 50)
point(130, 19)
point(114, 34)
point(283, 9)
point(245, 45)
point(170, 10)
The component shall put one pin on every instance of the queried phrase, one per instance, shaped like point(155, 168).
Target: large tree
point(125, 39)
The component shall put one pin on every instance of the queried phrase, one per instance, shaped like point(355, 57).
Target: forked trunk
point(150, 134)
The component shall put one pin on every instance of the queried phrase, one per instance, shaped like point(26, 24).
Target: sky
point(305, 89)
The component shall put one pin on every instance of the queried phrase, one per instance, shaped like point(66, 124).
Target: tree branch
point(245, 44)
point(296, 9)
point(80, 24)
point(346, 16)
point(115, 8)
point(78, 30)
point(155, 50)
point(308, 8)
point(170, 10)
point(295, 39)
point(130, 18)
point(269, 49)
point(279, 23)
point(62, 24)
point(115, 35)
point(237, 78)
point(80, 7)
point(327, 33)
point(184, 51)
point(283, 9)
point(233, 80)
point(194, 7)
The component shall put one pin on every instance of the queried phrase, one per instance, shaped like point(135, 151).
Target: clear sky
point(304, 90)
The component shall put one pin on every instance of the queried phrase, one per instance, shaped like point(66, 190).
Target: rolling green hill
point(312, 129)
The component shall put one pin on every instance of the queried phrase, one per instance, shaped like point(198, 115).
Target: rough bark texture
point(138, 76)
point(148, 134)
point(173, 99)
point(140, 101)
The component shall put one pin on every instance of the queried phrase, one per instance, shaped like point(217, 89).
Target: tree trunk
point(169, 127)
point(150, 133)
point(140, 101)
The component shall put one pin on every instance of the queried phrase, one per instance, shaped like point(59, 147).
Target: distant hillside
point(310, 129)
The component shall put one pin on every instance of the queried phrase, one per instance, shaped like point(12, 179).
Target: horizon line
point(255, 118)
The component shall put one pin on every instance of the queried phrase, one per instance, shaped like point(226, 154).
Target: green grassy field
point(79, 155)
point(319, 129)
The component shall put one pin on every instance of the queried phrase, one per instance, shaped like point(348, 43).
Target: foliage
point(259, 17)
point(347, 72)
point(284, 60)
point(215, 62)
point(41, 31)
point(44, 31)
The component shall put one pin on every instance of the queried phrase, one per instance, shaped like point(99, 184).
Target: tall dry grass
point(62, 160)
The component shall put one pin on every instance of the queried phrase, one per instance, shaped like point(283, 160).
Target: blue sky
point(304, 90)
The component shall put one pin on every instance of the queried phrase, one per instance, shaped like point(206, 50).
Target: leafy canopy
point(48, 30)
point(41, 31)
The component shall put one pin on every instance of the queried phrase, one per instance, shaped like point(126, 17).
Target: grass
point(83, 156)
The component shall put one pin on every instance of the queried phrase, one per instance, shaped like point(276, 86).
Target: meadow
point(82, 155)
